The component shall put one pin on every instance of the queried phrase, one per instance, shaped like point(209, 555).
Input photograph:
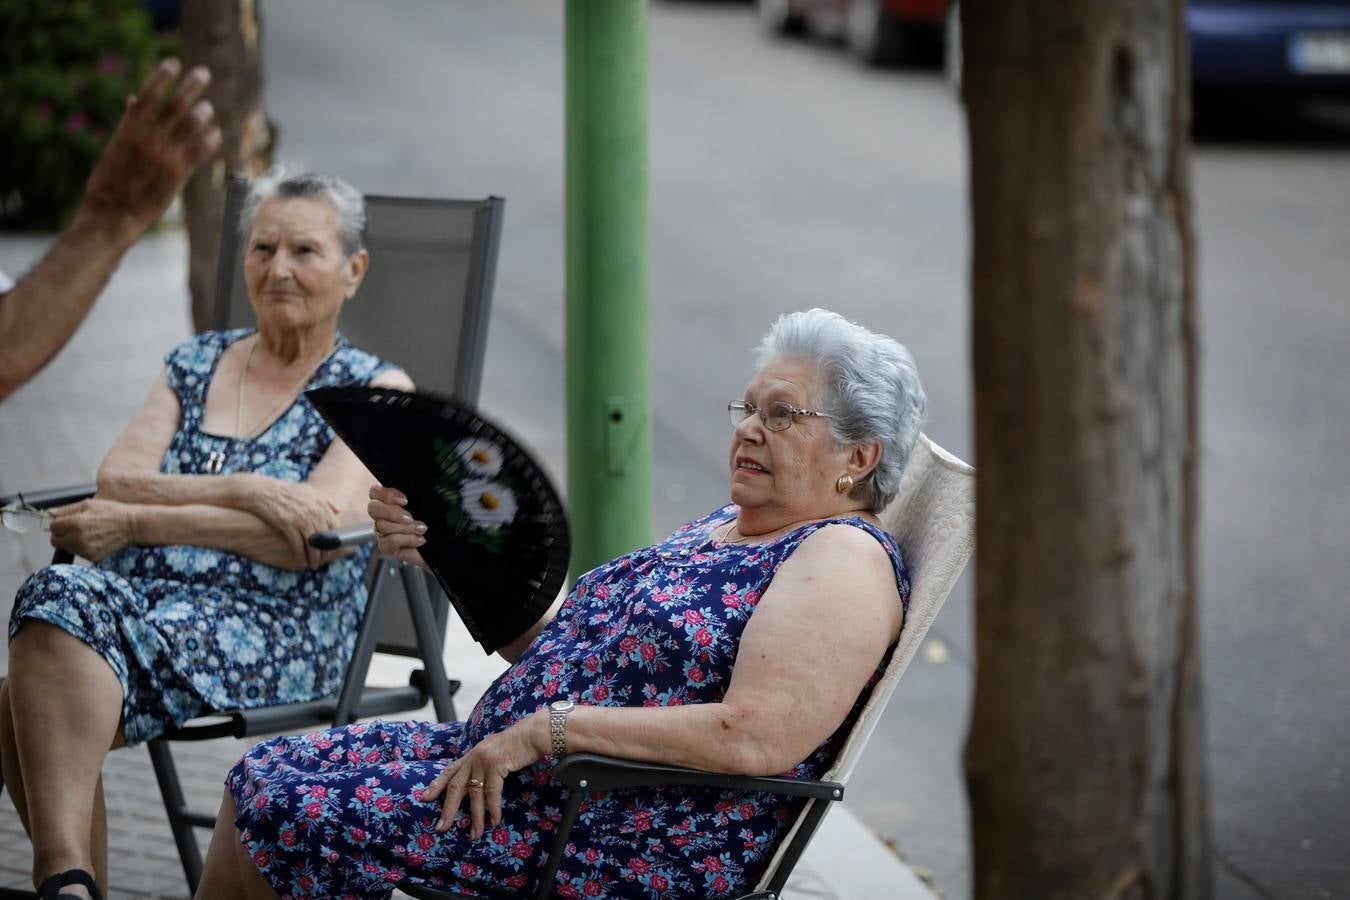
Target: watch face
point(561, 705)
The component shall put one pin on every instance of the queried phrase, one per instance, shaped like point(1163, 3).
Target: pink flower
point(364, 794)
point(356, 834)
point(110, 64)
point(639, 865)
point(384, 804)
point(647, 651)
point(313, 810)
point(720, 884)
point(693, 617)
point(426, 841)
point(628, 644)
point(695, 674)
point(500, 836)
point(599, 692)
point(288, 837)
point(467, 870)
point(712, 864)
point(261, 859)
point(592, 856)
point(318, 790)
point(659, 883)
point(521, 850)
point(591, 888)
point(703, 637)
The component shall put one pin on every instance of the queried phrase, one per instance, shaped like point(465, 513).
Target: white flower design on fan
point(482, 458)
point(488, 503)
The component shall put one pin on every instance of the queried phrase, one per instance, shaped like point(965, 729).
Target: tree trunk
point(224, 35)
point(1085, 759)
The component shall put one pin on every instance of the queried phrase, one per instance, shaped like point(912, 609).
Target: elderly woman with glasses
point(746, 642)
point(204, 593)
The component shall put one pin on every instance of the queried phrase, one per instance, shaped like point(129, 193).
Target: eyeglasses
point(778, 417)
point(24, 518)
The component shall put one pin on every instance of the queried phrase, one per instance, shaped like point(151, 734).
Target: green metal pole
point(609, 433)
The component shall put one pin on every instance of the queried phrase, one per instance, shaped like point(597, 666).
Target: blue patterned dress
point(188, 628)
point(338, 813)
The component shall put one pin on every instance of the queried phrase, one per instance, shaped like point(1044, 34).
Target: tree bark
point(1085, 759)
point(224, 35)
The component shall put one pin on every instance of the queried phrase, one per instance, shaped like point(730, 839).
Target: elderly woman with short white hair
point(204, 594)
point(746, 642)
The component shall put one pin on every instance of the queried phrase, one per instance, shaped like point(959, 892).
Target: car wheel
point(873, 34)
point(777, 16)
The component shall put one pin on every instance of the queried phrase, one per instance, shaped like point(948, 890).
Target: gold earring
point(844, 484)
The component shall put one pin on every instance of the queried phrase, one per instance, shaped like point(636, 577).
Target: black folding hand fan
point(497, 537)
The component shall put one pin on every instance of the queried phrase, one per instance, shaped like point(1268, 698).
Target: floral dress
point(338, 813)
point(189, 629)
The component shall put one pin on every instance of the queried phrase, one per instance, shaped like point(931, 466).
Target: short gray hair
point(277, 184)
point(869, 385)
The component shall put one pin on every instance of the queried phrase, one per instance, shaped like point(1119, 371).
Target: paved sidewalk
point(54, 432)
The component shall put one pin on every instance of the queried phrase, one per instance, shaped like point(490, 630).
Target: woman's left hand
point(93, 529)
point(490, 762)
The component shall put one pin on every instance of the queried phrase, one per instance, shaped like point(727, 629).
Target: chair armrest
point(50, 497)
point(592, 772)
point(337, 538)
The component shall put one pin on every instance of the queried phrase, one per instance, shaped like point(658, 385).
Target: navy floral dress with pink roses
point(338, 813)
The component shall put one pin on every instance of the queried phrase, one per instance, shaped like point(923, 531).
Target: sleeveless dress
point(338, 813)
point(189, 629)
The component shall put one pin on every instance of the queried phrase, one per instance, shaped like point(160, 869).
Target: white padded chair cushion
point(933, 520)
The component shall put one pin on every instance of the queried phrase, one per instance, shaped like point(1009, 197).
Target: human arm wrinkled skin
point(267, 519)
point(777, 709)
point(157, 145)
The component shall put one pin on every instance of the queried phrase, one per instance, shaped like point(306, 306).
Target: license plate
point(1320, 53)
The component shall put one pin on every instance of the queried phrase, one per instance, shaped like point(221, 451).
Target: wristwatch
point(557, 726)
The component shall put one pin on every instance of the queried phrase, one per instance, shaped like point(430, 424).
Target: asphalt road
point(784, 176)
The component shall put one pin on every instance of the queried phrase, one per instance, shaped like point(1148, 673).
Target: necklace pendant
point(215, 461)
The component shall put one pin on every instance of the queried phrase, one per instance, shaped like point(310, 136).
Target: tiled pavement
point(54, 432)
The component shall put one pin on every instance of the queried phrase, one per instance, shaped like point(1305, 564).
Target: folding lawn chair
point(933, 520)
point(424, 305)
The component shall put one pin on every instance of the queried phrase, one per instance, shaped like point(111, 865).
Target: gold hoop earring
point(844, 484)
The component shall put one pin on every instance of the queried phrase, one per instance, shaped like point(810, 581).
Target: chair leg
point(181, 819)
point(353, 684)
point(430, 642)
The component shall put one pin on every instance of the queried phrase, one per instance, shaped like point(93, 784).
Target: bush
point(68, 67)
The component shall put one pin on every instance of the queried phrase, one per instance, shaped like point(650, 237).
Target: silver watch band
point(557, 730)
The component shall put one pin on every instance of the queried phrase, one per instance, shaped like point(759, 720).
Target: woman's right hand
point(399, 534)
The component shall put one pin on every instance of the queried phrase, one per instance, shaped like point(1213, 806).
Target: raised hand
point(156, 146)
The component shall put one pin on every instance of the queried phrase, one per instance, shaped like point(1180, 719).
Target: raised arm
point(807, 652)
point(144, 165)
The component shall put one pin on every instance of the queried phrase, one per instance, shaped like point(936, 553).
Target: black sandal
point(51, 888)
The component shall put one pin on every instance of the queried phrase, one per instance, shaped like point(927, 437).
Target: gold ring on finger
point(475, 784)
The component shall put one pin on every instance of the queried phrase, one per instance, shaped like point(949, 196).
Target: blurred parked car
point(1271, 46)
point(878, 32)
point(1249, 47)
